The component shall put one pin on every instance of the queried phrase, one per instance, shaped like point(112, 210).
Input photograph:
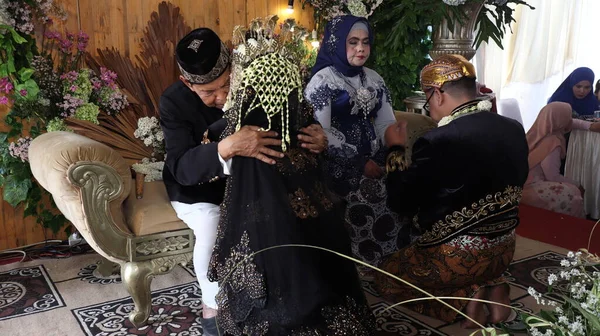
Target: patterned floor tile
point(190, 268)
point(396, 322)
point(533, 272)
point(175, 312)
point(26, 291)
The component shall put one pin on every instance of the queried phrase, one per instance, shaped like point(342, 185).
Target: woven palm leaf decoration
point(268, 63)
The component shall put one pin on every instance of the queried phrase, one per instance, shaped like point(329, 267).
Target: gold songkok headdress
point(446, 68)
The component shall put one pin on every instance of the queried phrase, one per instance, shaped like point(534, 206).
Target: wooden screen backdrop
point(120, 24)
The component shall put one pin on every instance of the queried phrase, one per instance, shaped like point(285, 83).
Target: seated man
point(463, 188)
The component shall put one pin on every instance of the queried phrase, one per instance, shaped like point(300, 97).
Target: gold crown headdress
point(446, 68)
point(269, 64)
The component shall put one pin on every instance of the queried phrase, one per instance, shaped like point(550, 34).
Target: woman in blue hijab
point(576, 90)
point(354, 107)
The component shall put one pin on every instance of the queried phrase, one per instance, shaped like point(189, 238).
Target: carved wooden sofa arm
point(91, 185)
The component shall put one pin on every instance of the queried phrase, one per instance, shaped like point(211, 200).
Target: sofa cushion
point(153, 213)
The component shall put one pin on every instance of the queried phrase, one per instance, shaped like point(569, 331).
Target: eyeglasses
point(426, 105)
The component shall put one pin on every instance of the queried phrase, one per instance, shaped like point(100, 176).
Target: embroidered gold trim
point(395, 161)
point(220, 67)
point(494, 227)
point(485, 208)
point(301, 205)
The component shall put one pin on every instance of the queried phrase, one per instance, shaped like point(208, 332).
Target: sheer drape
point(546, 45)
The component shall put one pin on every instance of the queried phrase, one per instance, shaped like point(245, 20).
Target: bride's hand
point(595, 127)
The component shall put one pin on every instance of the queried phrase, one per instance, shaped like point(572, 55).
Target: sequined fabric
point(375, 230)
point(267, 286)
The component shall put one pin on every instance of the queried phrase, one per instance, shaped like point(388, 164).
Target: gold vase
point(458, 40)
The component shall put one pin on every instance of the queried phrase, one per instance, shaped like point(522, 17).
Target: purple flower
point(73, 88)
point(96, 83)
point(108, 77)
point(82, 36)
point(5, 85)
point(23, 92)
point(81, 46)
point(82, 41)
point(70, 76)
point(65, 45)
point(4, 100)
point(20, 149)
point(69, 105)
point(70, 36)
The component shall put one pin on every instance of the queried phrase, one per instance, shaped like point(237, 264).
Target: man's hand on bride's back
point(250, 142)
point(313, 139)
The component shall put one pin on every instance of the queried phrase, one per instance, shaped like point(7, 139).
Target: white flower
point(241, 49)
point(552, 278)
point(484, 105)
point(454, 2)
point(160, 136)
point(576, 327)
point(445, 121)
point(563, 320)
point(151, 170)
point(357, 8)
point(252, 42)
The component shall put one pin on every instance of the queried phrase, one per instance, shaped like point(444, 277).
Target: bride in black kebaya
point(285, 290)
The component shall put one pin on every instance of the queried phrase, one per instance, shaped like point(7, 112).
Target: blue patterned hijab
point(333, 47)
point(584, 106)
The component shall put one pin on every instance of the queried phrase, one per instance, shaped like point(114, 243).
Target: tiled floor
point(86, 305)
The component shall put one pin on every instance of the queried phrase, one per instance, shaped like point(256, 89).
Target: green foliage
point(16, 179)
point(495, 29)
point(402, 43)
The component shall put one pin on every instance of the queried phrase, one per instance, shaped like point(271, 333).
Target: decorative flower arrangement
point(43, 84)
point(328, 9)
point(577, 284)
point(151, 134)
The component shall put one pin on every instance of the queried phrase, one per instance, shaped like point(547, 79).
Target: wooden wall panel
point(120, 24)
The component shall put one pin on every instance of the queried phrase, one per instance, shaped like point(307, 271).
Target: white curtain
point(545, 45)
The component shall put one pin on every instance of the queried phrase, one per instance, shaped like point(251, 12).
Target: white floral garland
point(151, 170)
point(484, 105)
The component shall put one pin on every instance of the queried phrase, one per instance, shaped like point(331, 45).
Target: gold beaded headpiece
point(446, 68)
point(269, 64)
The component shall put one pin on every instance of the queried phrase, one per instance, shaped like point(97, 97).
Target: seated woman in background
point(545, 187)
point(597, 90)
point(576, 90)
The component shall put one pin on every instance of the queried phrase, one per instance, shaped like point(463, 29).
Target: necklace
point(484, 105)
point(364, 98)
